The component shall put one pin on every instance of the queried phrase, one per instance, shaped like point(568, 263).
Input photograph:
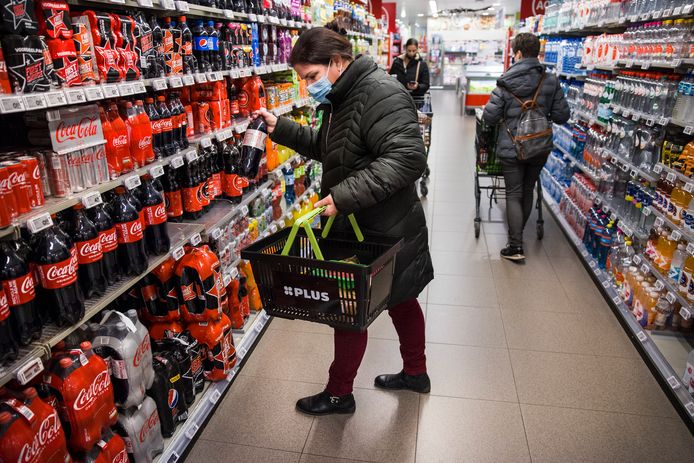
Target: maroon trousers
point(351, 345)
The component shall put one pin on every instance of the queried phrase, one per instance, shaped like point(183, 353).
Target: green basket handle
point(305, 222)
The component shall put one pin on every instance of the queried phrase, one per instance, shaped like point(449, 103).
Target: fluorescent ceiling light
point(420, 14)
point(432, 6)
point(403, 12)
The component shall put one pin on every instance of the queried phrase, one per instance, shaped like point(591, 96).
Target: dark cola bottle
point(134, 198)
point(8, 345)
point(176, 123)
point(90, 270)
point(167, 146)
point(55, 264)
point(156, 234)
point(109, 241)
point(132, 257)
point(18, 285)
point(190, 192)
point(172, 195)
point(155, 120)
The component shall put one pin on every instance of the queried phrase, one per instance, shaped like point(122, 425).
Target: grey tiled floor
point(527, 362)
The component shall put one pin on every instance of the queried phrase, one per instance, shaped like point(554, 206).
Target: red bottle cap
point(5, 417)
point(85, 346)
point(65, 363)
point(30, 393)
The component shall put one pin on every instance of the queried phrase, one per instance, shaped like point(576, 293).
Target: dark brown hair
point(528, 44)
point(412, 41)
point(319, 45)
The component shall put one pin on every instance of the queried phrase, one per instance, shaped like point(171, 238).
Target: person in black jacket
point(372, 153)
point(411, 70)
point(503, 109)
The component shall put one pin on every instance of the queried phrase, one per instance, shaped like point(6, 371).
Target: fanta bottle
point(666, 249)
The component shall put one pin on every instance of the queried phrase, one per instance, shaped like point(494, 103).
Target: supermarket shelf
point(585, 169)
point(672, 174)
point(629, 166)
point(180, 234)
point(206, 403)
point(642, 339)
point(672, 292)
point(629, 228)
point(638, 115)
point(570, 75)
point(588, 118)
point(599, 67)
point(563, 129)
point(647, 64)
point(548, 64)
point(688, 236)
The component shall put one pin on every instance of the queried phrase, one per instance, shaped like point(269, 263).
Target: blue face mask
point(319, 90)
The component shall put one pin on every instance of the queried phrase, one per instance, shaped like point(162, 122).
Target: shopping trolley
point(488, 166)
point(425, 116)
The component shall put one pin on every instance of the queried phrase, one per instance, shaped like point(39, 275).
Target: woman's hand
point(412, 85)
point(330, 210)
point(270, 119)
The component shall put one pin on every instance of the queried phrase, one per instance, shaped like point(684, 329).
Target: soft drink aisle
point(525, 361)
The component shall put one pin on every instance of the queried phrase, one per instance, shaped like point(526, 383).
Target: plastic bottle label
point(155, 215)
point(57, 275)
point(129, 232)
point(192, 202)
point(232, 185)
point(174, 205)
point(109, 240)
point(20, 290)
point(89, 251)
point(255, 138)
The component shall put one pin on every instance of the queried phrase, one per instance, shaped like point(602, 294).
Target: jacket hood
point(523, 77)
point(360, 68)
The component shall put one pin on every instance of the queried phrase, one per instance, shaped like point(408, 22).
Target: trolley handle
point(305, 222)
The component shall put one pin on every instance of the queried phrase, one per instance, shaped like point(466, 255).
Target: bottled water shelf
point(30, 357)
point(647, 342)
point(627, 165)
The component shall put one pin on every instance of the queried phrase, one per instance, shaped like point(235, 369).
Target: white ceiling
point(415, 7)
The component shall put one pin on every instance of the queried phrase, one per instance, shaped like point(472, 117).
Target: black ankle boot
point(325, 404)
point(398, 381)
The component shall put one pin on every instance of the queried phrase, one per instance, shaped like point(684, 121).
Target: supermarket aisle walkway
point(527, 362)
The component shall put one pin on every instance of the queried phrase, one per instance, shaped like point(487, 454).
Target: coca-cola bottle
point(18, 285)
point(253, 147)
point(109, 241)
point(155, 120)
point(232, 184)
point(190, 193)
point(156, 233)
point(140, 428)
point(120, 142)
point(90, 271)
point(135, 200)
point(56, 268)
point(181, 111)
point(166, 120)
point(132, 257)
point(172, 195)
point(8, 344)
point(176, 123)
point(109, 449)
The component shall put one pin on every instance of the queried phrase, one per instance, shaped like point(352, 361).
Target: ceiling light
point(420, 14)
point(496, 4)
point(403, 12)
point(432, 6)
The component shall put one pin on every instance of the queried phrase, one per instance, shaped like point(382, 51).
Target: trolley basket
point(302, 276)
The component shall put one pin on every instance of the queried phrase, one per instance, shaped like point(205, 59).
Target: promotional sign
point(532, 8)
point(389, 10)
point(73, 129)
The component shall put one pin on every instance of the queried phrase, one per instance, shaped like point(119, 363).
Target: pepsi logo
point(202, 43)
point(31, 451)
point(87, 396)
point(85, 128)
point(173, 398)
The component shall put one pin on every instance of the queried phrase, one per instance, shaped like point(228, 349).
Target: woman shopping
point(411, 70)
point(372, 153)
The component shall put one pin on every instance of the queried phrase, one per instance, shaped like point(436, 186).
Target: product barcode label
point(658, 168)
point(671, 176)
point(200, 77)
point(227, 279)
point(120, 2)
point(156, 171)
point(646, 211)
point(641, 336)
point(645, 65)
point(282, 224)
point(690, 408)
point(132, 181)
point(145, 3)
point(234, 272)
point(659, 285)
point(689, 187)
point(650, 122)
point(626, 113)
point(40, 222)
point(676, 235)
point(215, 76)
point(676, 62)
point(613, 160)
point(110, 90)
point(634, 117)
point(689, 130)
point(175, 81)
point(188, 79)
point(673, 382)
point(94, 93)
point(216, 233)
point(234, 73)
point(252, 17)
point(35, 101)
point(289, 215)
point(605, 284)
point(677, 11)
point(214, 397)
point(191, 155)
point(690, 248)
point(75, 96)
point(685, 313)
point(592, 264)
point(195, 239)
point(273, 228)
point(176, 162)
point(177, 253)
point(244, 210)
point(91, 199)
point(274, 20)
point(168, 4)
point(159, 84)
point(687, 9)
point(206, 142)
point(55, 99)
point(29, 371)
point(658, 222)
point(182, 6)
point(670, 297)
point(634, 173)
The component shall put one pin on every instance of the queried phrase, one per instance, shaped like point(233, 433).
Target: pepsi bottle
point(201, 46)
point(132, 257)
point(109, 241)
point(156, 234)
point(19, 295)
point(90, 271)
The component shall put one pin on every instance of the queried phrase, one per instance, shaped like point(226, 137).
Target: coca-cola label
point(155, 215)
point(76, 128)
point(232, 185)
point(109, 240)
point(58, 275)
point(32, 452)
point(129, 232)
point(142, 349)
point(174, 204)
point(191, 199)
point(144, 142)
point(20, 290)
point(87, 396)
point(148, 426)
point(89, 251)
point(119, 141)
point(4, 307)
point(167, 124)
point(156, 126)
point(255, 138)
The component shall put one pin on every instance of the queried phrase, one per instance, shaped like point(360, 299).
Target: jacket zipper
point(327, 132)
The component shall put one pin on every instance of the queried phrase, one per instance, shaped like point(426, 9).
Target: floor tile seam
point(416, 435)
point(443, 343)
point(216, 441)
point(636, 359)
point(479, 306)
point(601, 410)
point(338, 458)
point(313, 420)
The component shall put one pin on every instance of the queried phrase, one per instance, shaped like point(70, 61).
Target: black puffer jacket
point(407, 74)
point(522, 79)
point(372, 154)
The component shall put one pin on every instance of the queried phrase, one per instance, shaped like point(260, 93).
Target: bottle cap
point(30, 393)
point(5, 417)
point(65, 363)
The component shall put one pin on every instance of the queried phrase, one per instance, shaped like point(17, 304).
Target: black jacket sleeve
point(495, 107)
point(390, 130)
point(423, 78)
point(560, 112)
point(304, 140)
point(398, 70)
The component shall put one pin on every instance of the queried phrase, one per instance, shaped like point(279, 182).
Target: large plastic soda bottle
point(168, 393)
point(8, 344)
point(679, 204)
point(109, 449)
point(166, 120)
point(120, 142)
point(140, 428)
point(177, 117)
point(253, 147)
point(178, 350)
point(144, 149)
point(156, 233)
point(90, 271)
point(686, 275)
point(172, 195)
point(108, 237)
point(155, 120)
point(115, 166)
point(132, 257)
point(201, 46)
point(20, 294)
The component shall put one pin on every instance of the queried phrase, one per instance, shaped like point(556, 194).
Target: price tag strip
point(40, 222)
point(195, 239)
point(91, 199)
point(176, 162)
point(132, 182)
point(178, 253)
point(188, 79)
point(156, 171)
point(56, 98)
point(94, 93)
point(35, 101)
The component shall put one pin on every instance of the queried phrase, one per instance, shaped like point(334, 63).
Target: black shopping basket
point(303, 277)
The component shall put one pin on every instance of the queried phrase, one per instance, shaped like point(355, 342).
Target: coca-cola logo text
point(17, 178)
point(89, 248)
point(122, 457)
point(148, 425)
point(144, 142)
point(87, 396)
point(27, 285)
point(109, 240)
point(136, 228)
point(31, 451)
point(142, 349)
point(36, 174)
point(58, 272)
point(85, 128)
point(119, 141)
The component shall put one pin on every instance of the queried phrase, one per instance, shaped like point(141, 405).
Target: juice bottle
point(651, 304)
point(679, 202)
point(637, 303)
point(630, 285)
point(663, 310)
point(668, 186)
point(686, 275)
point(666, 250)
point(676, 264)
point(313, 198)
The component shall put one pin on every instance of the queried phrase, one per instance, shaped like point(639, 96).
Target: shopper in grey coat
point(522, 80)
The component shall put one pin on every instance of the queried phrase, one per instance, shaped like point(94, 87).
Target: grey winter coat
point(372, 153)
point(522, 79)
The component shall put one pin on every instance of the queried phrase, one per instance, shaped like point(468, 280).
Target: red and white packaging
point(8, 203)
point(33, 175)
point(19, 185)
point(85, 50)
point(65, 61)
point(54, 19)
